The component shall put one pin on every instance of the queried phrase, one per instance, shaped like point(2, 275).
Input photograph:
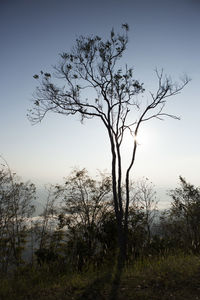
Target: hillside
point(171, 277)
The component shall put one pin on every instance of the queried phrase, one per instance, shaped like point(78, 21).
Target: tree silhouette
point(185, 213)
point(93, 64)
point(16, 206)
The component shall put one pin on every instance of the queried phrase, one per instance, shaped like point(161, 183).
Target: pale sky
point(163, 34)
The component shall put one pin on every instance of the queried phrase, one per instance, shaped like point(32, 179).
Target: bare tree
point(16, 207)
point(145, 199)
point(45, 230)
point(93, 64)
point(45, 225)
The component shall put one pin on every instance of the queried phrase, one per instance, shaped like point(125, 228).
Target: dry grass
point(172, 277)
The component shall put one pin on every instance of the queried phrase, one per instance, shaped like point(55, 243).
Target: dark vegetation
point(70, 251)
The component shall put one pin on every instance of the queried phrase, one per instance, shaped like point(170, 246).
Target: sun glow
point(142, 139)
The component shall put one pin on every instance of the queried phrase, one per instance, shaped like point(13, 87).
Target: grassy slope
point(173, 277)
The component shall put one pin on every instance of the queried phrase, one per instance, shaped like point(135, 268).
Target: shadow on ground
point(104, 287)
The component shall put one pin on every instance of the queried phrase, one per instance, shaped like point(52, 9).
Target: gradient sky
point(162, 34)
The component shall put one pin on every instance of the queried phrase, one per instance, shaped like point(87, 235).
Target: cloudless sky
point(162, 34)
